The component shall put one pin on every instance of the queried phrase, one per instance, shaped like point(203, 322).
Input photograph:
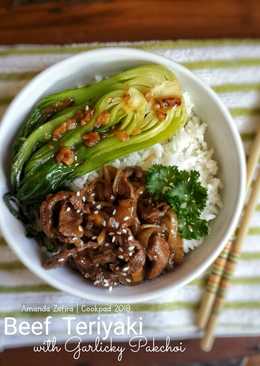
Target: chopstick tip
point(207, 342)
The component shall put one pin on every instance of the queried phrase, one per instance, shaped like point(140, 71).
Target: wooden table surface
point(227, 352)
point(60, 22)
point(27, 21)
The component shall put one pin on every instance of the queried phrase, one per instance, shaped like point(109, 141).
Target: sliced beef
point(112, 231)
point(158, 253)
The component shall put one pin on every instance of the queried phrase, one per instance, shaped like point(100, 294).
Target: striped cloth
point(232, 69)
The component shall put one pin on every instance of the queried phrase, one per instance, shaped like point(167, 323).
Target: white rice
point(188, 150)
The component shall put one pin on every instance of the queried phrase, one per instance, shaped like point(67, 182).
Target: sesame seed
point(113, 239)
point(96, 282)
point(124, 231)
point(132, 247)
point(120, 249)
point(126, 218)
point(110, 288)
point(68, 209)
point(114, 212)
point(96, 212)
point(125, 269)
point(92, 194)
point(98, 207)
point(117, 268)
point(128, 280)
point(78, 211)
point(78, 194)
point(120, 256)
point(80, 228)
point(130, 254)
point(111, 233)
point(119, 233)
point(104, 223)
point(107, 244)
point(94, 238)
point(84, 199)
point(130, 237)
point(87, 108)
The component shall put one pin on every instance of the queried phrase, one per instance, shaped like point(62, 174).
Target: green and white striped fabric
point(232, 69)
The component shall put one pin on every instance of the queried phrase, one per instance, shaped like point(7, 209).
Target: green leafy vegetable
point(129, 111)
point(142, 77)
point(50, 176)
point(184, 193)
point(34, 141)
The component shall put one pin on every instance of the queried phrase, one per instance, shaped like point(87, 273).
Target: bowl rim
point(149, 295)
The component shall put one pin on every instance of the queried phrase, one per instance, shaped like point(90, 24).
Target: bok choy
point(74, 132)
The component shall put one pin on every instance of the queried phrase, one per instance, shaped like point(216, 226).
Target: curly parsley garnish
point(183, 191)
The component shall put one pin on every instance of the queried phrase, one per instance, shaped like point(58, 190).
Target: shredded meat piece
point(86, 117)
point(158, 253)
point(151, 212)
point(125, 213)
point(46, 211)
point(170, 223)
point(91, 138)
point(161, 115)
point(172, 101)
point(162, 105)
point(111, 231)
point(70, 222)
point(70, 124)
point(121, 135)
point(145, 234)
point(137, 262)
point(102, 119)
point(65, 155)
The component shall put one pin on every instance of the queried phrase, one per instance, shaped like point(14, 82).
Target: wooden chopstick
point(208, 338)
point(213, 282)
point(253, 158)
point(219, 265)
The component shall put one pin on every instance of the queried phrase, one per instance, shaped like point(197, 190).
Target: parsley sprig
point(183, 191)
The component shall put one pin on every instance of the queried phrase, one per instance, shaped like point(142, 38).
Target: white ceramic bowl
point(222, 134)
